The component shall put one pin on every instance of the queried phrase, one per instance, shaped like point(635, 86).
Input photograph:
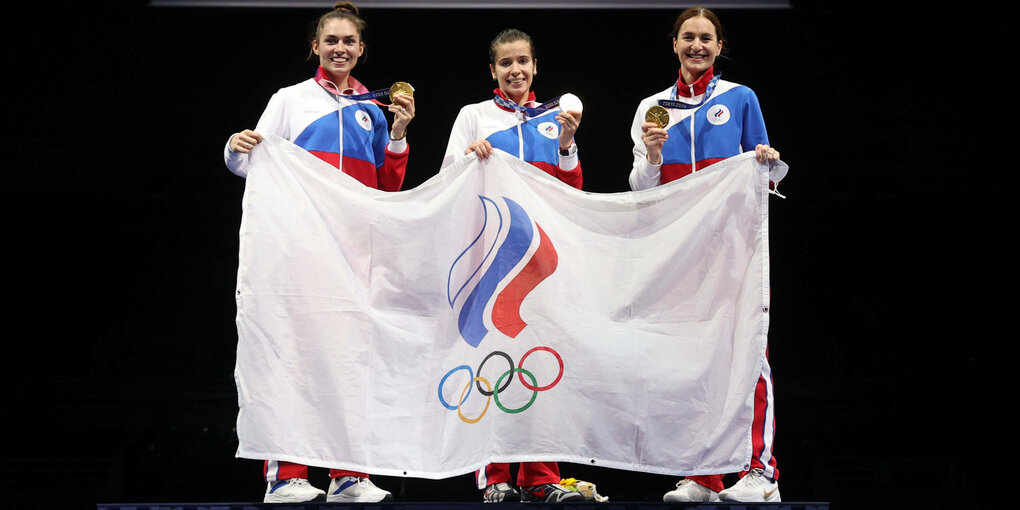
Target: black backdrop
point(122, 220)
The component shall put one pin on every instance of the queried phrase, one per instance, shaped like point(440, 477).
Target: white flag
point(495, 314)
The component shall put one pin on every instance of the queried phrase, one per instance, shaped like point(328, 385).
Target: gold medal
point(658, 115)
point(401, 87)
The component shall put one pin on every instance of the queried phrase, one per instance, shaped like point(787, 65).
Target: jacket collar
point(499, 92)
point(697, 88)
point(354, 86)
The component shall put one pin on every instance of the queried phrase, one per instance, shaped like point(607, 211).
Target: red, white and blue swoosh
point(503, 254)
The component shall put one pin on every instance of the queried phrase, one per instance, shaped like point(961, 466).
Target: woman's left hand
point(764, 153)
point(403, 112)
point(569, 122)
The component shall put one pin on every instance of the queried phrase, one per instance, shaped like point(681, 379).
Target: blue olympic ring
point(471, 375)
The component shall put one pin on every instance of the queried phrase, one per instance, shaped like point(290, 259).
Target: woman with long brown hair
point(336, 118)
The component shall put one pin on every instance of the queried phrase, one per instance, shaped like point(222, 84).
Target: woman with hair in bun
point(707, 120)
point(513, 122)
point(333, 116)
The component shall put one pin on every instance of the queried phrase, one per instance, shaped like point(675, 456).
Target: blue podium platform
point(637, 505)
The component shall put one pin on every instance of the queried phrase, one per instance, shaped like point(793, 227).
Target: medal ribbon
point(673, 103)
point(367, 96)
point(527, 110)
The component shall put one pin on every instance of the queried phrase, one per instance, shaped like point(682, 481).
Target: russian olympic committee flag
point(495, 314)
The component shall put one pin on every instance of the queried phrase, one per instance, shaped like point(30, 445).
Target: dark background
point(121, 227)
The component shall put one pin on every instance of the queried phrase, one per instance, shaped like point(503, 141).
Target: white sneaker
point(292, 490)
point(752, 488)
point(688, 490)
point(355, 489)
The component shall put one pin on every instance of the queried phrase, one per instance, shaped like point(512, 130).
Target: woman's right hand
point(481, 148)
point(654, 138)
point(245, 141)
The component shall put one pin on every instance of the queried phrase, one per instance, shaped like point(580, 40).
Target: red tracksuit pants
point(529, 473)
point(275, 470)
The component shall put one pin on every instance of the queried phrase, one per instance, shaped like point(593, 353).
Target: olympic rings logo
point(491, 392)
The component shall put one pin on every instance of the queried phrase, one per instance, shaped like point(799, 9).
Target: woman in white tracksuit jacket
point(325, 116)
point(512, 122)
point(709, 120)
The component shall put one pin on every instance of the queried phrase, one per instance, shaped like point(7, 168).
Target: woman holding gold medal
point(336, 118)
point(736, 124)
point(698, 121)
point(317, 114)
point(543, 135)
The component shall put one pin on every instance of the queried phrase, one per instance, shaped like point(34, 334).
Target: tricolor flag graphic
point(508, 258)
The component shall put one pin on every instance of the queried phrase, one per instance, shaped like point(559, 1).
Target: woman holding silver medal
point(513, 122)
point(543, 135)
point(698, 121)
point(323, 115)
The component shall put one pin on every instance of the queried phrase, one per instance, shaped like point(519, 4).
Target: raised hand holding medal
point(569, 119)
point(402, 105)
point(654, 134)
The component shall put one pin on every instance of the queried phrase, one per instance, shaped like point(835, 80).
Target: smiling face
point(514, 69)
point(338, 46)
point(697, 45)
